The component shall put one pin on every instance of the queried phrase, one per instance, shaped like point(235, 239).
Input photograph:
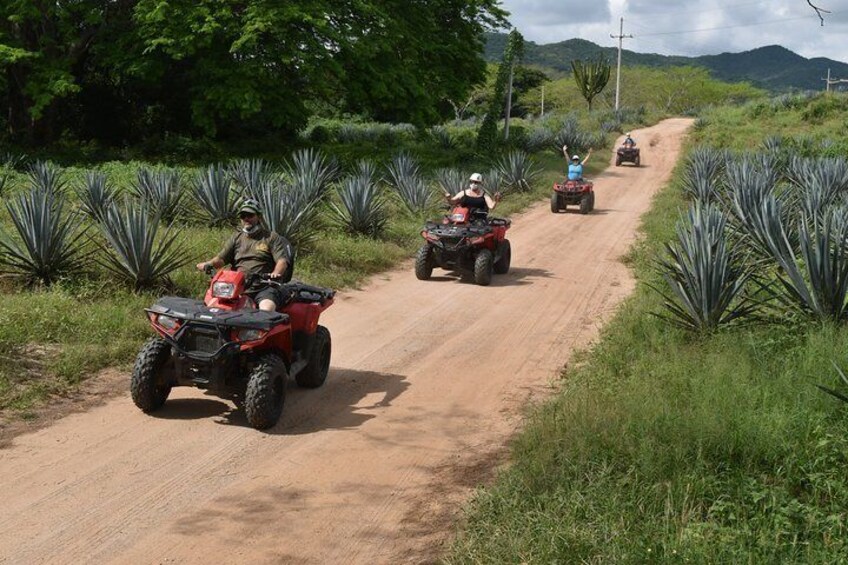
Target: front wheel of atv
point(424, 263)
point(587, 203)
point(501, 266)
point(483, 267)
point(266, 392)
point(637, 161)
point(555, 203)
point(618, 160)
point(315, 372)
point(149, 386)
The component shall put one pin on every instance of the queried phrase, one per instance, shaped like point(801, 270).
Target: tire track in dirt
point(427, 384)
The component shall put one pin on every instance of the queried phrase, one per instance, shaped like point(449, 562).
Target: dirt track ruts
point(426, 385)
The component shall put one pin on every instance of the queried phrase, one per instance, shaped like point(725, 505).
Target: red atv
point(575, 192)
point(466, 241)
point(627, 154)
point(224, 344)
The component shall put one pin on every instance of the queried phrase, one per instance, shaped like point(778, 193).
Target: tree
point(488, 133)
point(591, 77)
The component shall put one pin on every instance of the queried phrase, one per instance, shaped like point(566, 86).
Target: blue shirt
point(575, 172)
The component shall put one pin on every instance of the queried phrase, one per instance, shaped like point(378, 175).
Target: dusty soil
point(427, 384)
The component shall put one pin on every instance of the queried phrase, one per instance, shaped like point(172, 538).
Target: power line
point(681, 32)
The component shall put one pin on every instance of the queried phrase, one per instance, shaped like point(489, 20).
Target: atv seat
point(499, 222)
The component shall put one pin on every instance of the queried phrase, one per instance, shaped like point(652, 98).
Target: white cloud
point(689, 27)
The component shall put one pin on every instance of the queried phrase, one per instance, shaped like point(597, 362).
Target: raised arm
point(589, 154)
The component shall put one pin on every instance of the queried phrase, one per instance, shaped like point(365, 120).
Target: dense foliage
point(131, 70)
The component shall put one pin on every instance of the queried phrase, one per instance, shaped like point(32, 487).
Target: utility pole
point(542, 115)
point(829, 81)
point(620, 37)
point(508, 101)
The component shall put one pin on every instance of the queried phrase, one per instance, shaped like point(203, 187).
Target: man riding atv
point(628, 141)
point(474, 197)
point(254, 250)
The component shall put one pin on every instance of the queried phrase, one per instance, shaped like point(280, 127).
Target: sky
point(688, 27)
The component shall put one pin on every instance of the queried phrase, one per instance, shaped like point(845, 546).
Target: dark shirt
point(257, 253)
point(474, 202)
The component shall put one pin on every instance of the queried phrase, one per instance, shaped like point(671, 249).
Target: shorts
point(267, 293)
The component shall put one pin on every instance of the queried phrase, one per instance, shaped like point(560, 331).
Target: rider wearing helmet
point(475, 197)
point(628, 141)
point(255, 250)
point(575, 168)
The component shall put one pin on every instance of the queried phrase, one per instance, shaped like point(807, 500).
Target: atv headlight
point(167, 322)
point(223, 290)
point(250, 334)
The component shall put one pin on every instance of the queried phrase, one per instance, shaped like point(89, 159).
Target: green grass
point(664, 447)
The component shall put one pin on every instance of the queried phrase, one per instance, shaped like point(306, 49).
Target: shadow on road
point(518, 276)
point(347, 399)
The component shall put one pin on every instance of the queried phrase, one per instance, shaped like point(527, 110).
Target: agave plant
point(822, 182)
point(704, 167)
point(707, 283)
point(816, 280)
point(249, 174)
point(47, 176)
point(756, 210)
point(362, 207)
point(569, 134)
point(442, 136)
point(290, 213)
point(405, 177)
point(310, 173)
point(494, 181)
point(96, 195)
point(160, 189)
point(517, 171)
point(12, 161)
point(212, 190)
point(451, 180)
point(48, 244)
point(4, 180)
point(539, 138)
point(133, 252)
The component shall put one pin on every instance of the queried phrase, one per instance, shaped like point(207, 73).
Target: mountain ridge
point(771, 67)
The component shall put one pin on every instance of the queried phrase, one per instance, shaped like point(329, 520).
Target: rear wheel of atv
point(149, 387)
point(266, 392)
point(424, 263)
point(501, 266)
point(587, 203)
point(483, 267)
point(555, 203)
point(315, 372)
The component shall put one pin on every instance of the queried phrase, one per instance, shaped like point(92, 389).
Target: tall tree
point(591, 77)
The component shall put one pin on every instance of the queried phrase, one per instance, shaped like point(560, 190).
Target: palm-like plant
point(249, 175)
point(310, 173)
point(48, 244)
point(362, 207)
point(451, 180)
point(47, 176)
point(160, 189)
point(816, 284)
point(517, 171)
point(212, 189)
point(96, 195)
point(707, 283)
point(133, 252)
point(405, 177)
point(289, 212)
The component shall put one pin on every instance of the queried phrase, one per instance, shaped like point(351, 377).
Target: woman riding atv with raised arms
point(575, 169)
point(474, 197)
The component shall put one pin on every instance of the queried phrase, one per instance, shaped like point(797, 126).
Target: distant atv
point(225, 345)
point(627, 154)
point(468, 242)
point(573, 192)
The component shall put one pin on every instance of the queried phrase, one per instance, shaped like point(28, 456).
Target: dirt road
point(426, 385)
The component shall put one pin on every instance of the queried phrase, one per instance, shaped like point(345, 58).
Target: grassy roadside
point(52, 339)
point(662, 447)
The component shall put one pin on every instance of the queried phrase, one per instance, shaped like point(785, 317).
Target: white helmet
point(575, 157)
point(476, 177)
point(627, 134)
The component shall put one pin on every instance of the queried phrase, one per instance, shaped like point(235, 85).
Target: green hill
point(773, 68)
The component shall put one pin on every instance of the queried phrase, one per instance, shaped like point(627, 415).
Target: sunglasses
point(245, 215)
